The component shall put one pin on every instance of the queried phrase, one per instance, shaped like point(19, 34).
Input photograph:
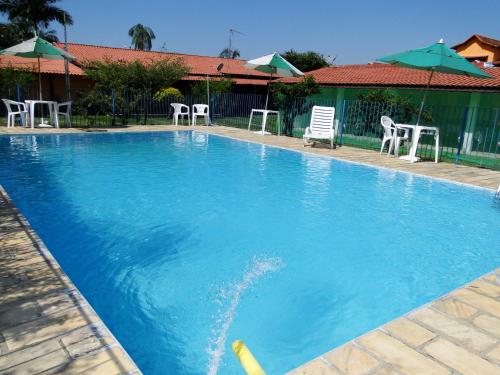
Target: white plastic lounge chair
point(321, 125)
point(13, 112)
point(180, 110)
point(394, 134)
point(64, 109)
point(201, 110)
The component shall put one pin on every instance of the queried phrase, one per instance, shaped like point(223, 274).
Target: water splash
point(259, 267)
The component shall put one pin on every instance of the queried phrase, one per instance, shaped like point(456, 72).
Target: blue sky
point(356, 31)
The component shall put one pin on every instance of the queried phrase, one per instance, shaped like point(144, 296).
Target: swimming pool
point(184, 242)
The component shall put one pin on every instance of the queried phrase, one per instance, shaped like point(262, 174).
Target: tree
point(10, 78)
point(229, 53)
point(142, 37)
point(216, 85)
point(376, 103)
point(305, 61)
point(292, 101)
point(12, 33)
point(35, 15)
point(132, 83)
point(48, 35)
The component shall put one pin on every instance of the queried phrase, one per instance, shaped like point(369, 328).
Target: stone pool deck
point(47, 326)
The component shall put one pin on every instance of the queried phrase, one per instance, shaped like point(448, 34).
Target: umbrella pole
point(268, 89)
point(425, 96)
point(39, 78)
point(40, 86)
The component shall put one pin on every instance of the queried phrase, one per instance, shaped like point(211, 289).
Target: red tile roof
point(46, 66)
point(199, 65)
point(238, 81)
point(484, 39)
point(385, 75)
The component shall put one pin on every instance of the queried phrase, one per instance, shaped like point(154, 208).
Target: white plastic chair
point(321, 125)
point(392, 133)
point(64, 109)
point(389, 128)
point(12, 113)
point(180, 110)
point(201, 110)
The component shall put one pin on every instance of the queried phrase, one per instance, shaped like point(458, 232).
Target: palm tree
point(35, 14)
point(142, 37)
point(48, 35)
point(229, 53)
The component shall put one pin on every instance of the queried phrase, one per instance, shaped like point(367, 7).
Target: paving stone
point(386, 371)
point(455, 308)
point(19, 313)
point(399, 355)
point(469, 336)
point(45, 328)
point(351, 360)
point(86, 340)
point(24, 262)
point(12, 359)
point(460, 359)
point(495, 354)
point(59, 301)
point(486, 288)
point(39, 365)
point(409, 332)
point(28, 289)
point(493, 278)
point(110, 362)
point(315, 367)
point(489, 324)
point(479, 301)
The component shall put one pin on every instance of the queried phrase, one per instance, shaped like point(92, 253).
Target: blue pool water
point(184, 242)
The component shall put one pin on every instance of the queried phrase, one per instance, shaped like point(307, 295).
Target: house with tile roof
point(448, 93)
point(346, 82)
point(480, 48)
point(248, 81)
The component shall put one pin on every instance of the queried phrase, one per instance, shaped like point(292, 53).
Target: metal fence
point(467, 135)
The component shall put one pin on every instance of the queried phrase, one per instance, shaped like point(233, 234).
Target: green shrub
point(167, 92)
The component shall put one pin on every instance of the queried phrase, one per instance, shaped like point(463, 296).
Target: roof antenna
point(231, 35)
point(331, 59)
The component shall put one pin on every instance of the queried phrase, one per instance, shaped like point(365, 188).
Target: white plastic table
point(265, 113)
point(416, 133)
point(52, 112)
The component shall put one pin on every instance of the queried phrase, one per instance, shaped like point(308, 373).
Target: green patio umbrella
point(37, 48)
point(434, 58)
point(273, 64)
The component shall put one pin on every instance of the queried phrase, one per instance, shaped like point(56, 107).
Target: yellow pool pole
point(246, 358)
